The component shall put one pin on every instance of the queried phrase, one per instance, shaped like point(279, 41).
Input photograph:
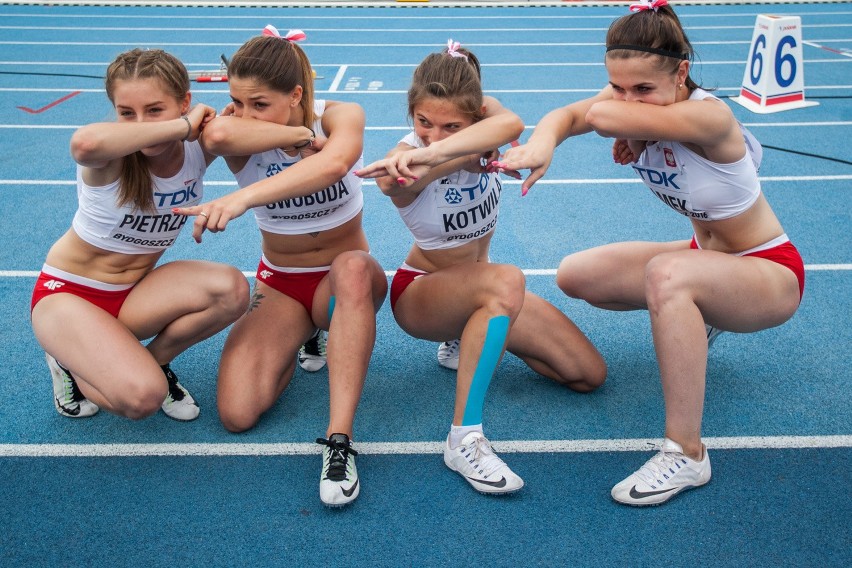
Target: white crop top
point(102, 223)
point(320, 211)
point(452, 211)
point(696, 187)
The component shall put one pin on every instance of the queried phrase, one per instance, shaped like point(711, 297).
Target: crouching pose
point(101, 291)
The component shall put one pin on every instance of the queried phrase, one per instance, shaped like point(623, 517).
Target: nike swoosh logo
point(640, 494)
point(351, 490)
point(498, 484)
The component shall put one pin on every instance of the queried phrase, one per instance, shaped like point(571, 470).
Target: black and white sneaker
point(312, 356)
point(448, 354)
point(67, 398)
point(179, 404)
point(339, 478)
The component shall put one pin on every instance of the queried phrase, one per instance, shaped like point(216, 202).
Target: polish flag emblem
point(669, 155)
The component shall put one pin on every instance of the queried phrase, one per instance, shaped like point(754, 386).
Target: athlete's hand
point(532, 156)
point(627, 151)
point(213, 216)
point(198, 117)
point(228, 110)
point(314, 147)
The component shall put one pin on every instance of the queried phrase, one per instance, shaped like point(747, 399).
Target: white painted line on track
point(338, 78)
point(390, 273)
point(590, 181)
point(407, 448)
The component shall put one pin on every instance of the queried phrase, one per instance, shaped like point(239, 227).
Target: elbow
point(84, 146)
point(337, 170)
point(215, 138)
point(387, 185)
point(517, 127)
point(596, 120)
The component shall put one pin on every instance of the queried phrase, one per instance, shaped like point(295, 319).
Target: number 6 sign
point(774, 76)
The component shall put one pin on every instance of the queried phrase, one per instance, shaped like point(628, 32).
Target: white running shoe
point(448, 354)
point(67, 398)
point(479, 465)
point(312, 355)
point(339, 477)
point(712, 334)
point(663, 476)
point(179, 404)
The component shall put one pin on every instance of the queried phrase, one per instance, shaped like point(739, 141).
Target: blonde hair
point(135, 181)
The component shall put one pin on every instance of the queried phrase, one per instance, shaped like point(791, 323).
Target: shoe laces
point(480, 455)
point(71, 384)
point(451, 348)
point(661, 467)
point(174, 388)
point(338, 458)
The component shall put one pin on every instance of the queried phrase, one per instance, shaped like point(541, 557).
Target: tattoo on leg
point(256, 297)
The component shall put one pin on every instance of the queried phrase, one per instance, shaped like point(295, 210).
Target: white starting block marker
point(774, 78)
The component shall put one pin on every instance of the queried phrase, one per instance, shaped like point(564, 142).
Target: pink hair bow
point(643, 5)
point(292, 35)
point(453, 49)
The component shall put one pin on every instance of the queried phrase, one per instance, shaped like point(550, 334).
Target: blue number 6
point(757, 59)
point(786, 58)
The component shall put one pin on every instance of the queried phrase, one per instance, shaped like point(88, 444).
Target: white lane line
point(590, 181)
point(406, 448)
point(390, 273)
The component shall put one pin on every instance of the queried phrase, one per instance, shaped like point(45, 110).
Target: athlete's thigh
point(262, 345)
point(175, 289)
point(735, 293)
point(438, 305)
point(613, 273)
point(98, 349)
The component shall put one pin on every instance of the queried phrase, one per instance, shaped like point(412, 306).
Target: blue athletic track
point(106, 491)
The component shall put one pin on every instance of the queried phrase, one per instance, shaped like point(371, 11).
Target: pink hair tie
point(643, 5)
point(453, 49)
point(292, 35)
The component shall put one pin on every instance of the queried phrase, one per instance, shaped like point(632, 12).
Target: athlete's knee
point(229, 292)
point(237, 420)
point(568, 278)
point(666, 280)
point(593, 377)
point(507, 289)
point(353, 274)
point(137, 399)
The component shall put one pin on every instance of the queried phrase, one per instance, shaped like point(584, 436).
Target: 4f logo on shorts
point(53, 284)
point(452, 196)
point(669, 155)
point(265, 274)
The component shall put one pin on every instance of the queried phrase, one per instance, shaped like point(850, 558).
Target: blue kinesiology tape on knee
point(492, 349)
point(330, 308)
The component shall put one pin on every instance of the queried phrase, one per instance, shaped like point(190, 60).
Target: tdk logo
point(452, 196)
point(176, 198)
point(657, 178)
